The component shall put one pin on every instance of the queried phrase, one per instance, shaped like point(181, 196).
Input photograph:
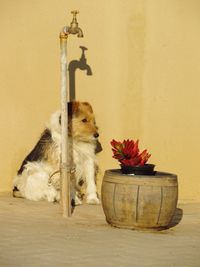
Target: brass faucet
point(73, 28)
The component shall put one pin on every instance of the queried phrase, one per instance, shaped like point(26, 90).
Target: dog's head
point(81, 122)
point(82, 125)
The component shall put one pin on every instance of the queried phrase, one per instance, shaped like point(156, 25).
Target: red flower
point(127, 153)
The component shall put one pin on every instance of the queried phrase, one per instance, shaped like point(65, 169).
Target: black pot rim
point(139, 166)
point(146, 169)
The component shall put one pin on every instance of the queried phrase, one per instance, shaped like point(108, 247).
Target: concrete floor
point(36, 234)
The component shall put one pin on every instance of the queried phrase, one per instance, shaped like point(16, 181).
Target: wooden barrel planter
point(139, 201)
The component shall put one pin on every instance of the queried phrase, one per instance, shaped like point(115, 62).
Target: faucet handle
point(75, 12)
point(83, 48)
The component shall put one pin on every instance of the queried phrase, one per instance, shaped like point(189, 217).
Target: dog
point(39, 175)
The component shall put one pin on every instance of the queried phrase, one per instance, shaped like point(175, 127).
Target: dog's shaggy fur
point(39, 177)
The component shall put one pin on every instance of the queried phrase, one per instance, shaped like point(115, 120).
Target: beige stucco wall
point(145, 60)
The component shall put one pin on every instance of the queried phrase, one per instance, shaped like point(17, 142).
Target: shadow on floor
point(178, 215)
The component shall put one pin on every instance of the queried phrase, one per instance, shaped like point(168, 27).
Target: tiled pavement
point(35, 234)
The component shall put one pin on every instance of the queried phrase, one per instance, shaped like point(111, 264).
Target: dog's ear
point(88, 106)
point(73, 108)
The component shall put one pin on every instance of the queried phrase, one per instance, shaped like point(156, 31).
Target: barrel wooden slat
point(107, 197)
point(149, 199)
point(139, 201)
point(169, 198)
point(125, 202)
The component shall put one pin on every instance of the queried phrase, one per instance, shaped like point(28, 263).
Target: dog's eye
point(84, 120)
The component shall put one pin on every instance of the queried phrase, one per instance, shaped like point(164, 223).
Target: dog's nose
point(96, 135)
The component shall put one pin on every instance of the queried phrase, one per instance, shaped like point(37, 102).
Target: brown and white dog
point(39, 178)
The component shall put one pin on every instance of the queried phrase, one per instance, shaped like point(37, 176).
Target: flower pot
point(139, 201)
point(147, 169)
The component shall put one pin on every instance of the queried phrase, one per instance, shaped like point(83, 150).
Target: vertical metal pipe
point(65, 175)
point(65, 160)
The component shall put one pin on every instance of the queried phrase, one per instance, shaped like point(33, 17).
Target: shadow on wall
point(77, 64)
point(82, 65)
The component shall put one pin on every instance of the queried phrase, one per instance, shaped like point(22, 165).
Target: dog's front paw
point(77, 201)
point(93, 200)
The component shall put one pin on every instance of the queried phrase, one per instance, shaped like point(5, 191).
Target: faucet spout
point(80, 33)
point(88, 70)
